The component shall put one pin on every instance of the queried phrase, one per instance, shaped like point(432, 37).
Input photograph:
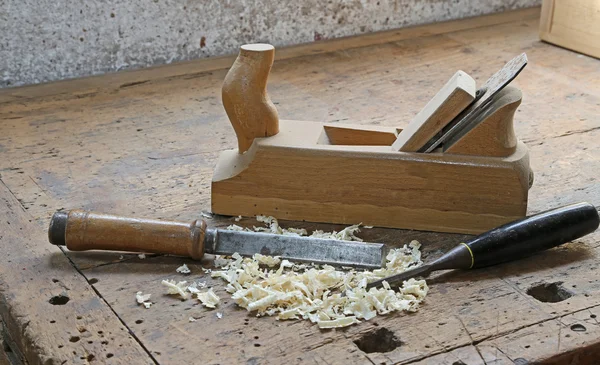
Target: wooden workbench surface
point(145, 143)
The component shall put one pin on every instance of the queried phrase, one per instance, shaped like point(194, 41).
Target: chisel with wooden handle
point(81, 230)
point(511, 241)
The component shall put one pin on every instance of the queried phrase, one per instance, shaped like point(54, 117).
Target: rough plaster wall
point(45, 40)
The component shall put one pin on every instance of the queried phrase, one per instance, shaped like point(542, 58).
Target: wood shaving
point(221, 261)
point(176, 288)
point(269, 261)
point(346, 234)
point(338, 323)
point(209, 299)
point(308, 291)
point(183, 269)
point(193, 288)
point(272, 226)
point(143, 299)
point(235, 227)
point(315, 293)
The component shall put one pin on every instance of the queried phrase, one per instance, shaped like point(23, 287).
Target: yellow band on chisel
point(471, 252)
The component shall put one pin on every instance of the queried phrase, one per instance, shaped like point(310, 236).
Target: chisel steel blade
point(398, 279)
point(296, 248)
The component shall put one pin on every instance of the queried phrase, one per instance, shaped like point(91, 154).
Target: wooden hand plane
point(319, 172)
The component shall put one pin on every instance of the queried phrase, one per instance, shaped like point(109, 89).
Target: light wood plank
point(450, 101)
point(573, 24)
point(359, 135)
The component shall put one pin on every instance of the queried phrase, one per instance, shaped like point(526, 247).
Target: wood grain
point(573, 24)
point(10, 353)
point(357, 135)
point(244, 93)
point(150, 149)
point(99, 231)
point(291, 176)
point(48, 309)
point(494, 135)
point(450, 101)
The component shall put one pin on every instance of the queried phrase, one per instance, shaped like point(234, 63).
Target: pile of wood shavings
point(346, 234)
point(315, 292)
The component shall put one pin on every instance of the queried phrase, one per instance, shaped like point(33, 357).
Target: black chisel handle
point(511, 241)
point(533, 234)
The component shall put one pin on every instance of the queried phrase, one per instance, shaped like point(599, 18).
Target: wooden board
point(150, 148)
point(452, 99)
point(573, 24)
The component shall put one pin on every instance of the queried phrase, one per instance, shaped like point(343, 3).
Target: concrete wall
point(46, 40)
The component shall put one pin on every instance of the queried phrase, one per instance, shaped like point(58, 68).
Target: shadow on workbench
point(128, 262)
point(559, 257)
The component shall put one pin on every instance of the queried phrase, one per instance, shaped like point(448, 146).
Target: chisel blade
point(398, 279)
point(296, 248)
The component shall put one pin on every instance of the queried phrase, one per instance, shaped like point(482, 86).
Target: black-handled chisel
point(511, 241)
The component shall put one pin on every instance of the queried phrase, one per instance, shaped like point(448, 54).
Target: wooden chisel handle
point(81, 230)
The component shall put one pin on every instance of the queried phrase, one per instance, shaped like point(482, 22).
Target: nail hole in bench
point(59, 300)
point(578, 328)
point(381, 340)
point(549, 292)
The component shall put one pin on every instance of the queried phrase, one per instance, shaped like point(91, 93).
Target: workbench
point(145, 143)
